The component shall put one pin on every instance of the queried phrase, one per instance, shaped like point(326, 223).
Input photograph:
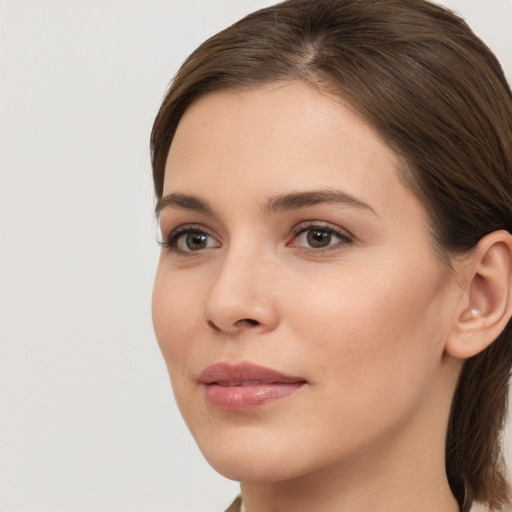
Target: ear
point(487, 305)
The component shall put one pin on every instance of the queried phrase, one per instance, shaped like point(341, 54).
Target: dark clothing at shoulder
point(236, 506)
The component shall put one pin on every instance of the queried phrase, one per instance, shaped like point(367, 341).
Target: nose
point(242, 297)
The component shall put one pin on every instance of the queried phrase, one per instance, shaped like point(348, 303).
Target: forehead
point(280, 138)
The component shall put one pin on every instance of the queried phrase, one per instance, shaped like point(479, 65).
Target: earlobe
point(487, 307)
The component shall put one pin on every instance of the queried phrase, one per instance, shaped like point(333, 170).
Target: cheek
point(176, 311)
point(373, 332)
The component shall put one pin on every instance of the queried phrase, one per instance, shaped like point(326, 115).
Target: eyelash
point(171, 241)
point(345, 238)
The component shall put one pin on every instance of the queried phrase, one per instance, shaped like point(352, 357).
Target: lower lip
point(247, 398)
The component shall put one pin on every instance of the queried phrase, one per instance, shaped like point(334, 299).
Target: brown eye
point(187, 240)
point(318, 238)
point(194, 241)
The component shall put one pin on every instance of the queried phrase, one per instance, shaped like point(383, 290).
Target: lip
point(244, 387)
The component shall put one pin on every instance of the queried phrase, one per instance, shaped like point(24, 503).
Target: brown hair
point(439, 98)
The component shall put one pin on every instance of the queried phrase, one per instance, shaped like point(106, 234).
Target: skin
point(364, 321)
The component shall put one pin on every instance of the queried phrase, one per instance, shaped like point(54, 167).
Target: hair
point(439, 98)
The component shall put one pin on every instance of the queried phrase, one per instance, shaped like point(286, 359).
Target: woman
point(334, 190)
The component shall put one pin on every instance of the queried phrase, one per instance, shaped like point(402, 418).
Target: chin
point(252, 459)
point(254, 469)
point(260, 455)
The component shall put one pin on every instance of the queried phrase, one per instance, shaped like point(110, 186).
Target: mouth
point(244, 387)
point(241, 383)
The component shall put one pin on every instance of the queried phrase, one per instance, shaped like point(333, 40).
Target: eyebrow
point(284, 202)
point(183, 202)
point(298, 200)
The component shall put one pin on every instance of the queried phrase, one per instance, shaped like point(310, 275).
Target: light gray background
point(87, 418)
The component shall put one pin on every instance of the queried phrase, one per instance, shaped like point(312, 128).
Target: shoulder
point(236, 506)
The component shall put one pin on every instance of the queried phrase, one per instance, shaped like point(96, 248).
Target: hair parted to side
point(439, 98)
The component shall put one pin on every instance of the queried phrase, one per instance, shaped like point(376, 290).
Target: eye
point(319, 237)
point(316, 238)
point(189, 239)
point(194, 241)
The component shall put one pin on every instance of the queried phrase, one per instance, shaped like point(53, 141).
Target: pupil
point(319, 238)
point(196, 241)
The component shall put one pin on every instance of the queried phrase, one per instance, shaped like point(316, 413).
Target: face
point(298, 303)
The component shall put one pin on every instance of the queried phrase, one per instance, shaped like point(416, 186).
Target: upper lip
point(226, 373)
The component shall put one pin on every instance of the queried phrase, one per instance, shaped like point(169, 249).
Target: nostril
point(213, 326)
point(249, 321)
point(240, 323)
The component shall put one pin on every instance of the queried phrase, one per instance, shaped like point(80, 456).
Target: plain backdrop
point(87, 417)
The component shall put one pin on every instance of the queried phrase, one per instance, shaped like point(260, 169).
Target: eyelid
point(168, 241)
point(345, 236)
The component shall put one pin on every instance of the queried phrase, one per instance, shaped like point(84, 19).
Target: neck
point(367, 489)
